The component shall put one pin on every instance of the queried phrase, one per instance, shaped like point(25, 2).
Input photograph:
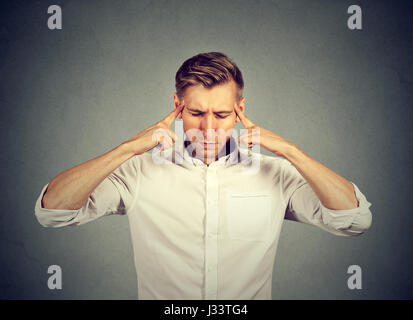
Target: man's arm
point(71, 189)
point(334, 191)
point(303, 205)
point(116, 194)
point(315, 194)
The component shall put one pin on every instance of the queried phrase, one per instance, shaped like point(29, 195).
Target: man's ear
point(177, 103)
point(241, 106)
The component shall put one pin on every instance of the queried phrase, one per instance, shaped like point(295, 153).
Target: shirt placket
point(211, 234)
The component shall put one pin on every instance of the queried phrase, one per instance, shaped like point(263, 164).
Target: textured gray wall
point(343, 96)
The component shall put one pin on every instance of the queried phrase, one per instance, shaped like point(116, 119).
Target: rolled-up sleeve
point(114, 195)
point(303, 205)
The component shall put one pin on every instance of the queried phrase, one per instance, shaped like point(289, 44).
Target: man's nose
point(208, 124)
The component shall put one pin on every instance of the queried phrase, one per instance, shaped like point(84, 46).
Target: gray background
point(342, 96)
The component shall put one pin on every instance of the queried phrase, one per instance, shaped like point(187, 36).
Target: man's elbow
point(54, 202)
point(360, 225)
point(51, 215)
point(43, 220)
point(50, 202)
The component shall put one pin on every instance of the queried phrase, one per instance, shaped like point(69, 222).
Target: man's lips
point(209, 145)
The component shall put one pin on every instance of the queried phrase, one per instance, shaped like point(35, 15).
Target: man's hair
point(208, 69)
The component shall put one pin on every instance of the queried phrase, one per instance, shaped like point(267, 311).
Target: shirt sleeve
point(303, 205)
point(114, 195)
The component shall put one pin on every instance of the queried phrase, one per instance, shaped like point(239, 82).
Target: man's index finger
point(245, 121)
point(172, 116)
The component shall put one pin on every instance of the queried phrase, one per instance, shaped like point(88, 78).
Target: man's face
point(208, 117)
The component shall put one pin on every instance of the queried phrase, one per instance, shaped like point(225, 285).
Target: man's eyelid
point(223, 112)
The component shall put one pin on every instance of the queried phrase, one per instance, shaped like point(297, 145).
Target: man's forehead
point(218, 98)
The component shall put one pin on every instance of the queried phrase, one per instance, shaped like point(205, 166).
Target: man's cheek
point(189, 123)
point(230, 121)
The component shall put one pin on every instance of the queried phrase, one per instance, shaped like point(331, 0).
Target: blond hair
point(208, 69)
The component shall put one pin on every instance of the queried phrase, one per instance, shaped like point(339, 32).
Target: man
point(202, 226)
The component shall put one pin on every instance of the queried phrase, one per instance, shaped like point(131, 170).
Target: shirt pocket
point(249, 216)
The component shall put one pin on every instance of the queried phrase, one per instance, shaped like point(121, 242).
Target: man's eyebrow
point(194, 109)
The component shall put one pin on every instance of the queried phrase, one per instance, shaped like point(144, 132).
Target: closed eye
point(200, 114)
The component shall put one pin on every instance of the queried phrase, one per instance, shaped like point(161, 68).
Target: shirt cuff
point(52, 217)
point(349, 221)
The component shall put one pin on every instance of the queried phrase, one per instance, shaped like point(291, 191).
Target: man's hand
point(157, 134)
point(257, 135)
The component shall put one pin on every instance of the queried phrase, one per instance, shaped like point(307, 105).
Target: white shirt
point(208, 232)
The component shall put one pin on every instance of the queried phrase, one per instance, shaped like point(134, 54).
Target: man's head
point(209, 85)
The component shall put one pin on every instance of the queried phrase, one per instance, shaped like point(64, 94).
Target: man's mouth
point(209, 145)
